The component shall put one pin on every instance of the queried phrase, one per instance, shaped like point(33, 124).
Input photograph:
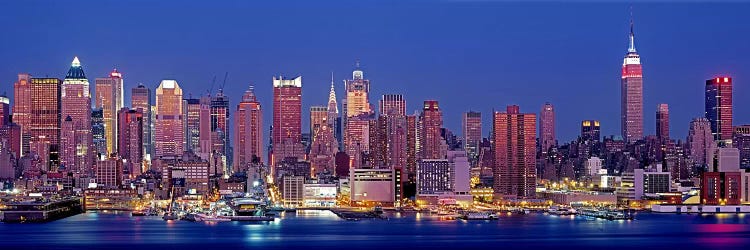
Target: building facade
point(169, 134)
point(514, 135)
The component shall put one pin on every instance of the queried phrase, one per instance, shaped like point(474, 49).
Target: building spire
point(631, 47)
point(76, 62)
point(332, 93)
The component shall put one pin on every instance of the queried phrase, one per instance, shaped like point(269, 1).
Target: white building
point(593, 166)
point(319, 195)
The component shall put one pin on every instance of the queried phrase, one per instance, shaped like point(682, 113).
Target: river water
point(323, 230)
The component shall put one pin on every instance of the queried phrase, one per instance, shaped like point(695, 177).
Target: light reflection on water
point(325, 229)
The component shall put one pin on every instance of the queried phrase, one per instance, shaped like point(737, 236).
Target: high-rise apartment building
point(514, 135)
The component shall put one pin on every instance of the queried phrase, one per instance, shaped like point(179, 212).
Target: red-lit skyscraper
point(287, 119)
point(248, 131)
point(515, 153)
point(432, 121)
point(76, 144)
point(547, 127)
point(44, 127)
point(662, 122)
point(393, 104)
point(169, 135)
point(632, 93)
point(719, 107)
point(130, 139)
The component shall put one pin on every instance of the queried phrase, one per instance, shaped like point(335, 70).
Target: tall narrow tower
point(248, 131)
point(287, 119)
point(109, 99)
point(140, 98)
point(547, 127)
point(662, 122)
point(76, 142)
point(632, 93)
point(169, 134)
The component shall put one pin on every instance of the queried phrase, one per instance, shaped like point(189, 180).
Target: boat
point(138, 213)
point(561, 210)
point(479, 216)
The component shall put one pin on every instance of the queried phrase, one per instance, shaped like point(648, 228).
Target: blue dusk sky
point(468, 55)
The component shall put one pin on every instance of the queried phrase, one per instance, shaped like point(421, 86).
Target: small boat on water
point(561, 210)
point(138, 213)
point(479, 216)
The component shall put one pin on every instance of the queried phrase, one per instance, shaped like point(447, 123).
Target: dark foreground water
point(323, 230)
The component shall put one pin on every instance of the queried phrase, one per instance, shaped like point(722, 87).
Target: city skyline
point(386, 78)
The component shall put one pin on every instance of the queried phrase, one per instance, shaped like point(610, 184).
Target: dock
point(42, 210)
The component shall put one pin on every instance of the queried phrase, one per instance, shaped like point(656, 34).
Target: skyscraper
point(248, 131)
point(590, 130)
point(632, 93)
point(719, 107)
point(287, 118)
point(169, 136)
point(219, 123)
point(472, 131)
point(44, 127)
point(662, 122)
point(4, 110)
point(432, 121)
point(318, 119)
point(392, 105)
point(357, 99)
point(514, 136)
point(357, 94)
point(741, 141)
point(22, 106)
point(130, 139)
point(547, 127)
point(76, 144)
point(140, 98)
point(97, 132)
point(109, 98)
point(700, 141)
point(333, 112)
point(191, 108)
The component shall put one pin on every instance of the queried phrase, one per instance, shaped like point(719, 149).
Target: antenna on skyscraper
point(212, 85)
point(225, 81)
